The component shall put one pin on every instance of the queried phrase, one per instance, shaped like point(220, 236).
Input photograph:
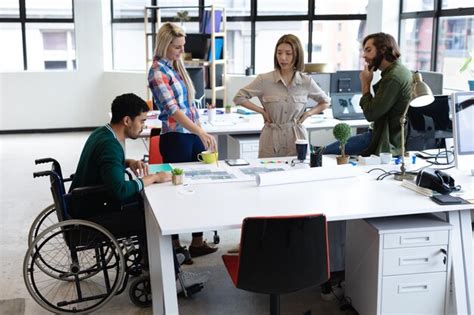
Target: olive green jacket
point(384, 109)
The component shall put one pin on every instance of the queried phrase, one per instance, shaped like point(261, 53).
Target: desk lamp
point(421, 95)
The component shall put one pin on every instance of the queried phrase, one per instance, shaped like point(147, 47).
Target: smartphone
point(236, 162)
point(448, 200)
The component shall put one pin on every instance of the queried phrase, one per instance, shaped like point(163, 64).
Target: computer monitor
point(197, 76)
point(463, 117)
point(434, 81)
point(429, 126)
point(196, 45)
point(346, 81)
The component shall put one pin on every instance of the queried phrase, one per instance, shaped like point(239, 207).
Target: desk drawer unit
point(242, 146)
point(397, 265)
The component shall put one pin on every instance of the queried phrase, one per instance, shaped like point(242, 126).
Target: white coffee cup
point(385, 157)
point(211, 115)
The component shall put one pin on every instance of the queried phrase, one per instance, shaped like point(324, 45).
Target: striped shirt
point(170, 94)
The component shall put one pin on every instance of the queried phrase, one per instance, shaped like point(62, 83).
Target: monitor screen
point(345, 81)
point(464, 122)
point(196, 75)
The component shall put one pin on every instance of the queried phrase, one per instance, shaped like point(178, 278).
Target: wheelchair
point(75, 265)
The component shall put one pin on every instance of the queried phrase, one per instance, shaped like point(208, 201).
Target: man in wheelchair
point(102, 163)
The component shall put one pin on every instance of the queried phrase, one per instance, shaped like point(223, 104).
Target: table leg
point(461, 251)
point(162, 275)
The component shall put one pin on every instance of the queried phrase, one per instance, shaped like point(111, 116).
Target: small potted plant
point(177, 175)
point(228, 109)
point(181, 17)
point(469, 66)
point(342, 132)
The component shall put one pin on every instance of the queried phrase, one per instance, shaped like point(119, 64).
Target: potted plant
point(177, 175)
point(228, 109)
point(342, 132)
point(469, 66)
point(181, 17)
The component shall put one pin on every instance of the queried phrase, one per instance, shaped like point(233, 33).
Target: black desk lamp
point(421, 95)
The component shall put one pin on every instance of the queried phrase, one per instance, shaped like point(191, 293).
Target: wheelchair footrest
point(195, 288)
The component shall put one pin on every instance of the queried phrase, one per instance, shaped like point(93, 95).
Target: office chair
point(154, 155)
point(280, 255)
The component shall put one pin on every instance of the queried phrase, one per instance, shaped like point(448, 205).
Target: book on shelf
point(206, 22)
point(410, 184)
point(219, 46)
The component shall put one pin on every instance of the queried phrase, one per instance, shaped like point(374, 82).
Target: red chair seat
point(231, 263)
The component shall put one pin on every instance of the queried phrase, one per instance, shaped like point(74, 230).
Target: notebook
point(345, 106)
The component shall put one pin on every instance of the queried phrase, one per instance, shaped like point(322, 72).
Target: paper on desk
point(307, 175)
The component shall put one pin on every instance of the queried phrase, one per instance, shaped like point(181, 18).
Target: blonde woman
point(182, 137)
point(284, 93)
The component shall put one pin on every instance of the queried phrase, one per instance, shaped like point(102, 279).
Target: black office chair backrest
point(283, 254)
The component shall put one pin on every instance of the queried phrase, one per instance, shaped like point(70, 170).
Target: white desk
point(168, 212)
point(234, 123)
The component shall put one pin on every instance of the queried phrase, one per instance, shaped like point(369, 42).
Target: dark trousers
point(176, 147)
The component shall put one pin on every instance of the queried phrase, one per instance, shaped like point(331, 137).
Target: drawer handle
point(414, 261)
point(415, 240)
point(415, 287)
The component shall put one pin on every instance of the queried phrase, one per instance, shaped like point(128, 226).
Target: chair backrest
point(154, 155)
point(283, 254)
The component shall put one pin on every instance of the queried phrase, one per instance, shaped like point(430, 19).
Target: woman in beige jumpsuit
point(284, 93)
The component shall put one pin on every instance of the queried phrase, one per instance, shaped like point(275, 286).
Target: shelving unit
point(153, 17)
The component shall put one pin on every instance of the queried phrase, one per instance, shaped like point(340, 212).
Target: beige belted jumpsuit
point(285, 105)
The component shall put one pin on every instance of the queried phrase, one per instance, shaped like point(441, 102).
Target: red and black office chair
point(280, 255)
point(154, 155)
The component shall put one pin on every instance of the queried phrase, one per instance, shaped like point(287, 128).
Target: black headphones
point(437, 181)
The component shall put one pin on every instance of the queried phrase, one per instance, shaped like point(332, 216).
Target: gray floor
point(23, 197)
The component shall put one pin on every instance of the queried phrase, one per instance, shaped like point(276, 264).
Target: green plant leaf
point(466, 64)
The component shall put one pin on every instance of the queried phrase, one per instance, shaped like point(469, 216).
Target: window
point(253, 28)
point(436, 35)
point(41, 37)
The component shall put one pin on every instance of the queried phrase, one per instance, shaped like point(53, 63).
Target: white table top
point(224, 206)
point(238, 123)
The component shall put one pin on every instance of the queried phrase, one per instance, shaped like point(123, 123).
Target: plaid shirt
point(170, 94)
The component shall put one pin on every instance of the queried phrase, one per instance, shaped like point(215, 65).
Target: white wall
point(82, 98)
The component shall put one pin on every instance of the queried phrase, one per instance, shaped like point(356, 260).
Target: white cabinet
point(397, 265)
point(242, 146)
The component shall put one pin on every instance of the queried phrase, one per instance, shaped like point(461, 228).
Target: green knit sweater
point(384, 109)
point(102, 162)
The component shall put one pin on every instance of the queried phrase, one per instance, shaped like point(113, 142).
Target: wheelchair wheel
point(140, 291)
point(45, 219)
point(85, 267)
point(133, 262)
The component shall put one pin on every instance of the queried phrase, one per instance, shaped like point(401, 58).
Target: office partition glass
point(417, 5)
point(267, 35)
point(339, 43)
point(238, 47)
point(233, 7)
point(11, 59)
point(455, 41)
point(415, 43)
point(282, 7)
point(340, 7)
point(9, 9)
point(50, 46)
point(49, 9)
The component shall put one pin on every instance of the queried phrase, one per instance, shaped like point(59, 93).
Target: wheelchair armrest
point(129, 175)
point(70, 178)
point(91, 201)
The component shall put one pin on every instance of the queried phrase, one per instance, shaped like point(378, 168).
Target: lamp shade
point(421, 92)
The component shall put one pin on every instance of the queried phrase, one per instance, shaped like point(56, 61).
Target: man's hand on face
point(139, 168)
point(366, 77)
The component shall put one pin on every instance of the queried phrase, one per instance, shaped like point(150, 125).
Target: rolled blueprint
point(307, 175)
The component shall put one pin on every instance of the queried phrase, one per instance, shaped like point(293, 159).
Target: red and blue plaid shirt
point(170, 94)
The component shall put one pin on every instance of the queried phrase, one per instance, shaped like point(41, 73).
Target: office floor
point(23, 197)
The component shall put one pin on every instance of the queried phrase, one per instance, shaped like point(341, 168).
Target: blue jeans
point(354, 146)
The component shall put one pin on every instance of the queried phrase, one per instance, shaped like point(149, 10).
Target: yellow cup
point(208, 157)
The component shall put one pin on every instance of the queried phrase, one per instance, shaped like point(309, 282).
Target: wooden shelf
point(211, 64)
